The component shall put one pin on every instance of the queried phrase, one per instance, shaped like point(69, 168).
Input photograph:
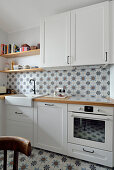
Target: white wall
point(3, 76)
point(30, 37)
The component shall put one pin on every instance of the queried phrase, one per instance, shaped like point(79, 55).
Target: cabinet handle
point(49, 104)
point(68, 60)
point(88, 151)
point(106, 56)
point(72, 111)
point(18, 113)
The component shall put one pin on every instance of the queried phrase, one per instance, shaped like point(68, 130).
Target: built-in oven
point(90, 126)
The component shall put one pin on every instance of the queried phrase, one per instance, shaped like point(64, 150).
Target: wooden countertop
point(2, 97)
point(70, 100)
point(106, 102)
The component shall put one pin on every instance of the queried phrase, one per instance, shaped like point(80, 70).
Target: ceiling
point(17, 15)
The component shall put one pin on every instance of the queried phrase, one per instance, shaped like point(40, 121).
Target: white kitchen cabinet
point(90, 34)
point(55, 40)
point(2, 119)
point(50, 127)
point(100, 156)
point(78, 37)
point(111, 25)
point(19, 122)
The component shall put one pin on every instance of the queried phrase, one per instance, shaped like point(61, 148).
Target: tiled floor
point(43, 160)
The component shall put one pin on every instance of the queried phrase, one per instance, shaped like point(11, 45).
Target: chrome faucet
point(34, 89)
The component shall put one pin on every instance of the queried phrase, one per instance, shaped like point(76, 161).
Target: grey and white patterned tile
point(45, 160)
point(91, 80)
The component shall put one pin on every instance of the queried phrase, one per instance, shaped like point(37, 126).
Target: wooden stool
point(17, 144)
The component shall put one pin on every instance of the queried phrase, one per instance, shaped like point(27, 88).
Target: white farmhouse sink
point(21, 99)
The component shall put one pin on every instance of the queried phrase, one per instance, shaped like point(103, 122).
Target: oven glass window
point(88, 129)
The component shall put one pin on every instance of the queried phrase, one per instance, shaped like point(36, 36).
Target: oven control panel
point(88, 108)
point(91, 109)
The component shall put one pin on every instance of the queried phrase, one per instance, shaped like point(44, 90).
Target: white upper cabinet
point(111, 10)
point(79, 37)
point(55, 40)
point(89, 35)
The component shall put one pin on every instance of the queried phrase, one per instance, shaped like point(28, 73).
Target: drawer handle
point(18, 113)
point(49, 104)
point(88, 151)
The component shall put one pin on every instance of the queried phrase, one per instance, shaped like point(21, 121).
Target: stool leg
point(15, 162)
point(5, 160)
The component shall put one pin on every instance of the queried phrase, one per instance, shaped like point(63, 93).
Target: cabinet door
point(55, 40)
point(19, 122)
point(50, 131)
point(89, 35)
point(15, 128)
point(111, 10)
point(2, 119)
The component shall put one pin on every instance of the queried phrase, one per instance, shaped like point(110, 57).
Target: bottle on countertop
point(12, 64)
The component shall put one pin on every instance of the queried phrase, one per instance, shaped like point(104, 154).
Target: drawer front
point(96, 109)
point(16, 113)
point(42, 104)
point(91, 154)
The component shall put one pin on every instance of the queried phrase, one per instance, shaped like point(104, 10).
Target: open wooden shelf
point(22, 70)
point(22, 54)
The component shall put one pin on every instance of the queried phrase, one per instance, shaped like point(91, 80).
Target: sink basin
point(21, 99)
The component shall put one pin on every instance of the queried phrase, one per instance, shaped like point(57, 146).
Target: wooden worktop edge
point(67, 101)
point(2, 97)
point(74, 102)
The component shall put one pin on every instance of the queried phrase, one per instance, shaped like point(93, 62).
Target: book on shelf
point(5, 49)
point(15, 48)
point(2, 49)
point(24, 49)
point(12, 48)
point(9, 48)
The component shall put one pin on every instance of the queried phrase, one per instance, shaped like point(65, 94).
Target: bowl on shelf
point(26, 67)
point(17, 67)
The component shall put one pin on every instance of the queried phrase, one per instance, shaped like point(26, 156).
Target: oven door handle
point(108, 118)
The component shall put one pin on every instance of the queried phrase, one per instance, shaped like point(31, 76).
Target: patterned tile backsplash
point(91, 80)
point(3, 79)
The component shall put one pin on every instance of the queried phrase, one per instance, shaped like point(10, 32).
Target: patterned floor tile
point(56, 164)
point(70, 166)
point(45, 160)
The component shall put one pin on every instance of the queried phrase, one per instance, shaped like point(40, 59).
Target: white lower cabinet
point(2, 119)
point(91, 154)
point(46, 127)
point(50, 127)
point(19, 122)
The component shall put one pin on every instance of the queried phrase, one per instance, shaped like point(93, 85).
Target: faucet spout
point(34, 89)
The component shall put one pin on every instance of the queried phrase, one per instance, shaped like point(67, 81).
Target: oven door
point(90, 130)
